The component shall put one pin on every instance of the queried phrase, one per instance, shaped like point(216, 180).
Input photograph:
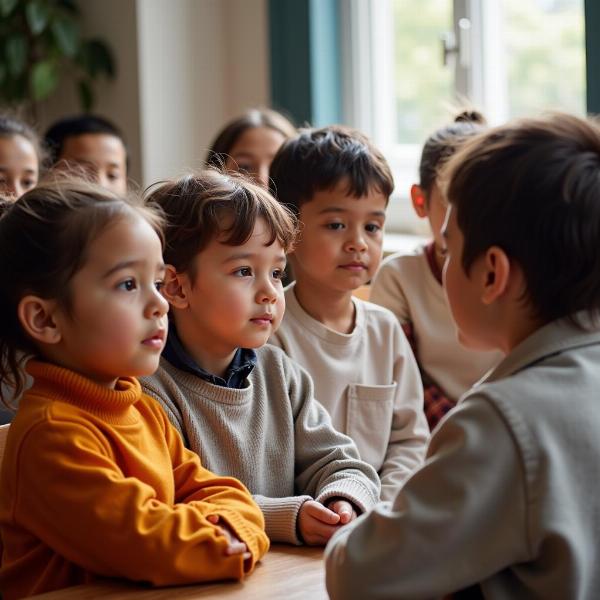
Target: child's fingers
point(322, 513)
point(236, 547)
point(319, 532)
point(344, 509)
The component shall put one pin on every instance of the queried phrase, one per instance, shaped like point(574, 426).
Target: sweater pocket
point(369, 419)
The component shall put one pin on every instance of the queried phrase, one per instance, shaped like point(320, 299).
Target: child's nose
point(356, 243)
point(157, 306)
point(262, 176)
point(267, 294)
point(12, 189)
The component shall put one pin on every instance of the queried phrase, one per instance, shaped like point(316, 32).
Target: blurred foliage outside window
point(543, 46)
point(545, 43)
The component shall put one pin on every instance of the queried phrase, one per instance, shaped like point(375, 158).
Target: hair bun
point(470, 116)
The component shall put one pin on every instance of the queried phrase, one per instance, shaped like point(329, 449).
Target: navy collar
point(244, 360)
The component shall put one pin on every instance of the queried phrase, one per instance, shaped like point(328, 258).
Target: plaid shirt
point(436, 403)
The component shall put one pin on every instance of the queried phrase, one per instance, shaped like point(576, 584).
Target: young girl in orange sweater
point(94, 480)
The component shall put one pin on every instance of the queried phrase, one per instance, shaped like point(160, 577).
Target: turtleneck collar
point(113, 405)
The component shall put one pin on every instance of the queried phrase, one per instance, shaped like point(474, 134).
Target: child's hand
point(316, 523)
point(344, 509)
point(235, 545)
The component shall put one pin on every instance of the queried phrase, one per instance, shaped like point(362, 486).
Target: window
point(408, 67)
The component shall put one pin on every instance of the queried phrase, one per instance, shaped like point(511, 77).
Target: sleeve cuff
point(352, 490)
point(281, 516)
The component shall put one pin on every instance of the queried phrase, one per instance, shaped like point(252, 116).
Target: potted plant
point(39, 42)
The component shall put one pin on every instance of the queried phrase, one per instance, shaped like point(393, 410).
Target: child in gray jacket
point(507, 498)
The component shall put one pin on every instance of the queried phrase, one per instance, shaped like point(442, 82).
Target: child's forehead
point(341, 197)
point(260, 237)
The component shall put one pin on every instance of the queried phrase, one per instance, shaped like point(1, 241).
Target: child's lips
point(354, 266)
point(156, 340)
point(265, 319)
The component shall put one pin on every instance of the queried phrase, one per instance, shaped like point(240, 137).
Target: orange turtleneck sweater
point(95, 481)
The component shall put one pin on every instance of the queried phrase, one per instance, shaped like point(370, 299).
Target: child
point(94, 479)
point(93, 143)
point(248, 143)
point(244, 407)
point(363, 368)
point(20, 157)
point(507, 498)
point(411, 286)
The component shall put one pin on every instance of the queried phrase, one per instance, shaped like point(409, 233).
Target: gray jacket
point(508, 495)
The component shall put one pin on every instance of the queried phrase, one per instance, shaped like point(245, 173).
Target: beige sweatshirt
point(405, 285)
point(368, 381)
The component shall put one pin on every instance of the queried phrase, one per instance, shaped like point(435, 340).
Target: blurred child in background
point(410, 285)
point(20, 157)
point(93, 144)
point(249, 142)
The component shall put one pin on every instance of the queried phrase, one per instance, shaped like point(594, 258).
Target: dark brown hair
point(318, 159)
point(11, 126)
point(443, 143)
point(532, 187)
point(199, 208)
point(44, 237)
point(69, 127)
point(229, 135)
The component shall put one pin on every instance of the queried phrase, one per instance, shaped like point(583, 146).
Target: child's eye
point(128, 285)
point(278, 274)
point(159, 284)
point(372, 228)
point(335, 226)
point(245, 168)
point(243, 272)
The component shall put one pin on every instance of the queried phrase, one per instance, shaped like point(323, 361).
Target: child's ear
point(176, 287)
point(37, 317)
point(497, 274)
point(419, 202)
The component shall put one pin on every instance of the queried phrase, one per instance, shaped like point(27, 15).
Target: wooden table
point(289, 572)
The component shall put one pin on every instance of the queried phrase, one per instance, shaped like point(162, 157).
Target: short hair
point(44, 239)
point(532, 187)
point(443, 143)
point(318, 159)
point(201, 207)
point(11, 126)
point(63, 129)
point(255, 117)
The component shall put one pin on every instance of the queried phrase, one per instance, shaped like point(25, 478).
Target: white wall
point(184, 68)
point(201, 63)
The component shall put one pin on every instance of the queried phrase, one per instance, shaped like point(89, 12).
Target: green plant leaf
point(43, 79)
point(86, 95)
point(16, 53)
point(66, 34)
point(95, 58)
point(69, 6)
point(6, 7)
point(37, 13)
